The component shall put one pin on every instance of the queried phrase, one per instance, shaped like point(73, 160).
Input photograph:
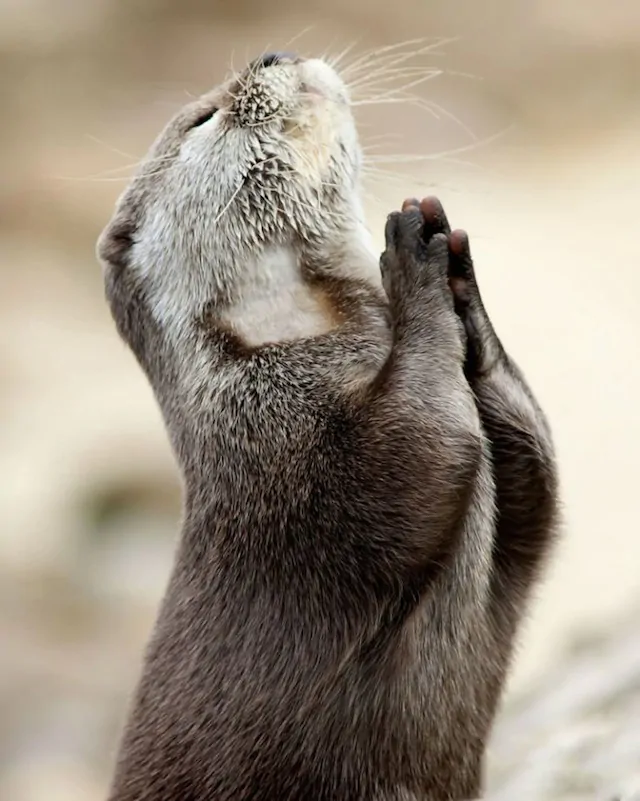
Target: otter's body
point(369, 483)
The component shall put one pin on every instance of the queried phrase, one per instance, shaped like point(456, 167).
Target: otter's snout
point(266, 94)
point(269, 59)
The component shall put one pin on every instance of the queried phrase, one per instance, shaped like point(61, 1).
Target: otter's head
point(267, 161)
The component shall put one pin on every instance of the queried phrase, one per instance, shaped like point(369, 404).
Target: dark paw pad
point(435, 220)
point(461, 274)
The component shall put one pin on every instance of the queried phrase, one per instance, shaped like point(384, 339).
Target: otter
point(369, 484)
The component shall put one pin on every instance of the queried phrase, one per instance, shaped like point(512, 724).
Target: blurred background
point(528, 131)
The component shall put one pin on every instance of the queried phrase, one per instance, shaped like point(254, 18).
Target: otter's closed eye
point(205, 116)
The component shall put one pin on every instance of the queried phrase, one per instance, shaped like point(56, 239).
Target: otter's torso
point(369, 482)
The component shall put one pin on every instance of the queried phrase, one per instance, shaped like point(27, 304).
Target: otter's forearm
point(526, 485)
point(421, 411)
point(521, 447)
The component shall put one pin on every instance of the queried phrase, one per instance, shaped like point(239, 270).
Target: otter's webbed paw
point(415, 259)
point(483, 346)
point(460, 272)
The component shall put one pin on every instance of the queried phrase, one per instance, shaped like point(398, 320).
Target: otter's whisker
point(373, 148)
point(446, 153)
point(256, 64)
point(384, 177)
point(384, 74)
point(228, 205)
point(135, 165)
point(113, 149)
point(430, 106)
point(299, 35)
point(449, 115)
point(98, 178)
point(383, 80)
point(106, 175)
point(367, 167)
point(383, 137)
point(336, 60)
point(400, 181)
point(382, 65)
point(395, 92)
point(389, 55)
point(89, 178)
point(469, 75)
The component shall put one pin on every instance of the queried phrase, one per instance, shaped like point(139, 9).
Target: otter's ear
point(115, 242)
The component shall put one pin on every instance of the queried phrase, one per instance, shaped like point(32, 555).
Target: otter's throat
point(277, 305)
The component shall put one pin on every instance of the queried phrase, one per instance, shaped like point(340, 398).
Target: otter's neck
point(277, 302)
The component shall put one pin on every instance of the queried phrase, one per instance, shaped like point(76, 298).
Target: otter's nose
point(269, 59)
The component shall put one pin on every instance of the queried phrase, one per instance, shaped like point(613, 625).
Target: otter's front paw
point(415, 257)
point(483, 347)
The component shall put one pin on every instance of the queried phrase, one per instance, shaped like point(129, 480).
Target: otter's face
point(268, 160)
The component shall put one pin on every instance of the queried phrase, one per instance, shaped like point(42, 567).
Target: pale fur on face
point(229, 211)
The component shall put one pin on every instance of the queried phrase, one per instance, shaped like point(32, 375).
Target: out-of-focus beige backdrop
point(530, 137)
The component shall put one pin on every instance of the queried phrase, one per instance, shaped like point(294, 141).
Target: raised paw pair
point(423, 254)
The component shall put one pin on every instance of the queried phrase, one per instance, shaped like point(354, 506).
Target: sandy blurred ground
point(89, 495)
